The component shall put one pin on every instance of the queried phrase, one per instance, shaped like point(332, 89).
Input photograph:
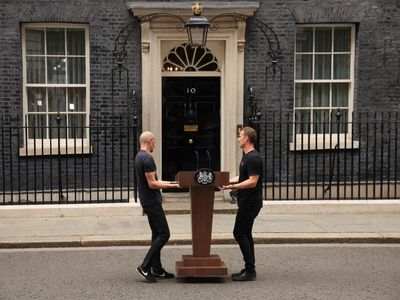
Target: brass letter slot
point(191, 128)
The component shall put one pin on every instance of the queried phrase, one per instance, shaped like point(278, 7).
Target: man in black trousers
point(249, 186)
point(151, 200)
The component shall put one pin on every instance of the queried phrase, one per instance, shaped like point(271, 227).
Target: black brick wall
point(377, 66)
point(377, 83)
point(105, 19)
point(377, 79)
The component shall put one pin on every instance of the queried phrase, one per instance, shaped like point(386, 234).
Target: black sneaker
point(146, 275)
point(162, 274)
point(246, 276)
point(238, 274)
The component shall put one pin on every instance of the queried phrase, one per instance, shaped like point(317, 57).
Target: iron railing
point(67, 164)
point(331, 155)
point(336, 156)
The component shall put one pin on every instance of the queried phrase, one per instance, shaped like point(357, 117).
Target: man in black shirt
point(249, 186)
point(151, 200)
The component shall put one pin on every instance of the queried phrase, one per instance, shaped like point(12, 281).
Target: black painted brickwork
point(377, 79)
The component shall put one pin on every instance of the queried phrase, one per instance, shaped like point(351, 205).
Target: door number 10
point(190, 91)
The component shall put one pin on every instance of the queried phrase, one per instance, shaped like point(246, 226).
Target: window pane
point(76, 126)
point(56, 70)
point(304, 40)
point(35, 41)
point(173, 58)
point(340, 94)
point(199, 52)
point(321, 95)
point(76, 99)
point(50, 52)
point(210, 67)
point(303, 66)
point(76, 70)
point(339, 125)
point(36, 99)
point(342, 40)
point(35, 69)
point(322, 66)
point(76, 41)
point(323, 39)
point(302, 121)
point(57, 99)
point(303, 95)
point(36, 126)
point(320, 70)
point(54, 127)
point(180, 51)
point(321, 121)
point(341, 66)
point(55, 41)
point(205, 60)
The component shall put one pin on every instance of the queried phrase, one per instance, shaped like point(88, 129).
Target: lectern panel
point(201, 263)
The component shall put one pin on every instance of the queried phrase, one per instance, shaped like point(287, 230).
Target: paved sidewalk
point(60, 226)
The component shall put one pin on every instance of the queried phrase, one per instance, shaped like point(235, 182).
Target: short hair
point(251, 134)
point(146, 137)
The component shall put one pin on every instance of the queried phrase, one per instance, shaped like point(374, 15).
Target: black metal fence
point(330, 155)
point(41, 164)
point(324, 156)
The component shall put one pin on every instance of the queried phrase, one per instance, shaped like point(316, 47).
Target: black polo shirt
point(250, 165)
point(144, 163)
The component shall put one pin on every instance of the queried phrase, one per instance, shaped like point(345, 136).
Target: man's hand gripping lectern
point(201, 263)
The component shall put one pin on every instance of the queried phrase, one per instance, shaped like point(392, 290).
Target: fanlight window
point(184, 58)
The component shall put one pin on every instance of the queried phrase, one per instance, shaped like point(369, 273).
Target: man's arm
point(159, 184)
point(234, 179)
point(247, 184)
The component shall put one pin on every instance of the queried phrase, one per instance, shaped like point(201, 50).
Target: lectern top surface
point(188, 178)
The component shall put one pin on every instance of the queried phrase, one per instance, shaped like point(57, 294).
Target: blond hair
point(146, 137)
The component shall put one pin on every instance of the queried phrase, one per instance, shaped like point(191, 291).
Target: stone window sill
point(46, 151)
point(321, 146)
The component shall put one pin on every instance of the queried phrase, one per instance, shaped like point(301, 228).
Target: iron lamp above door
point(197, 27)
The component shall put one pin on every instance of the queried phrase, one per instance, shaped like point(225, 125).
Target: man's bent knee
point(165, 236)
point(238, 235)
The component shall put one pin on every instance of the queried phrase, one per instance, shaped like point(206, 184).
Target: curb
point(373, 238)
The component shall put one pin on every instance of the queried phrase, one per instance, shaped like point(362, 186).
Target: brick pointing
point(377, 62)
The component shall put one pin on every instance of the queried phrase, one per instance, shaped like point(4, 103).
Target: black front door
point(191, 124)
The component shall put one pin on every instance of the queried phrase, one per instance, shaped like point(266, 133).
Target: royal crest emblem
point(204, 176)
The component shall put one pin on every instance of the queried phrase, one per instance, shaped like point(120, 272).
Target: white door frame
point(230, 39)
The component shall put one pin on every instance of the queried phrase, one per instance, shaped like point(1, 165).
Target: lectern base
point(191, 266)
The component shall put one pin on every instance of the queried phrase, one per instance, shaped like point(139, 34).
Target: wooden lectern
point(201, 263)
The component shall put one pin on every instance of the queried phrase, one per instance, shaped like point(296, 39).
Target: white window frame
point(55, 146)
point(322, 141)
